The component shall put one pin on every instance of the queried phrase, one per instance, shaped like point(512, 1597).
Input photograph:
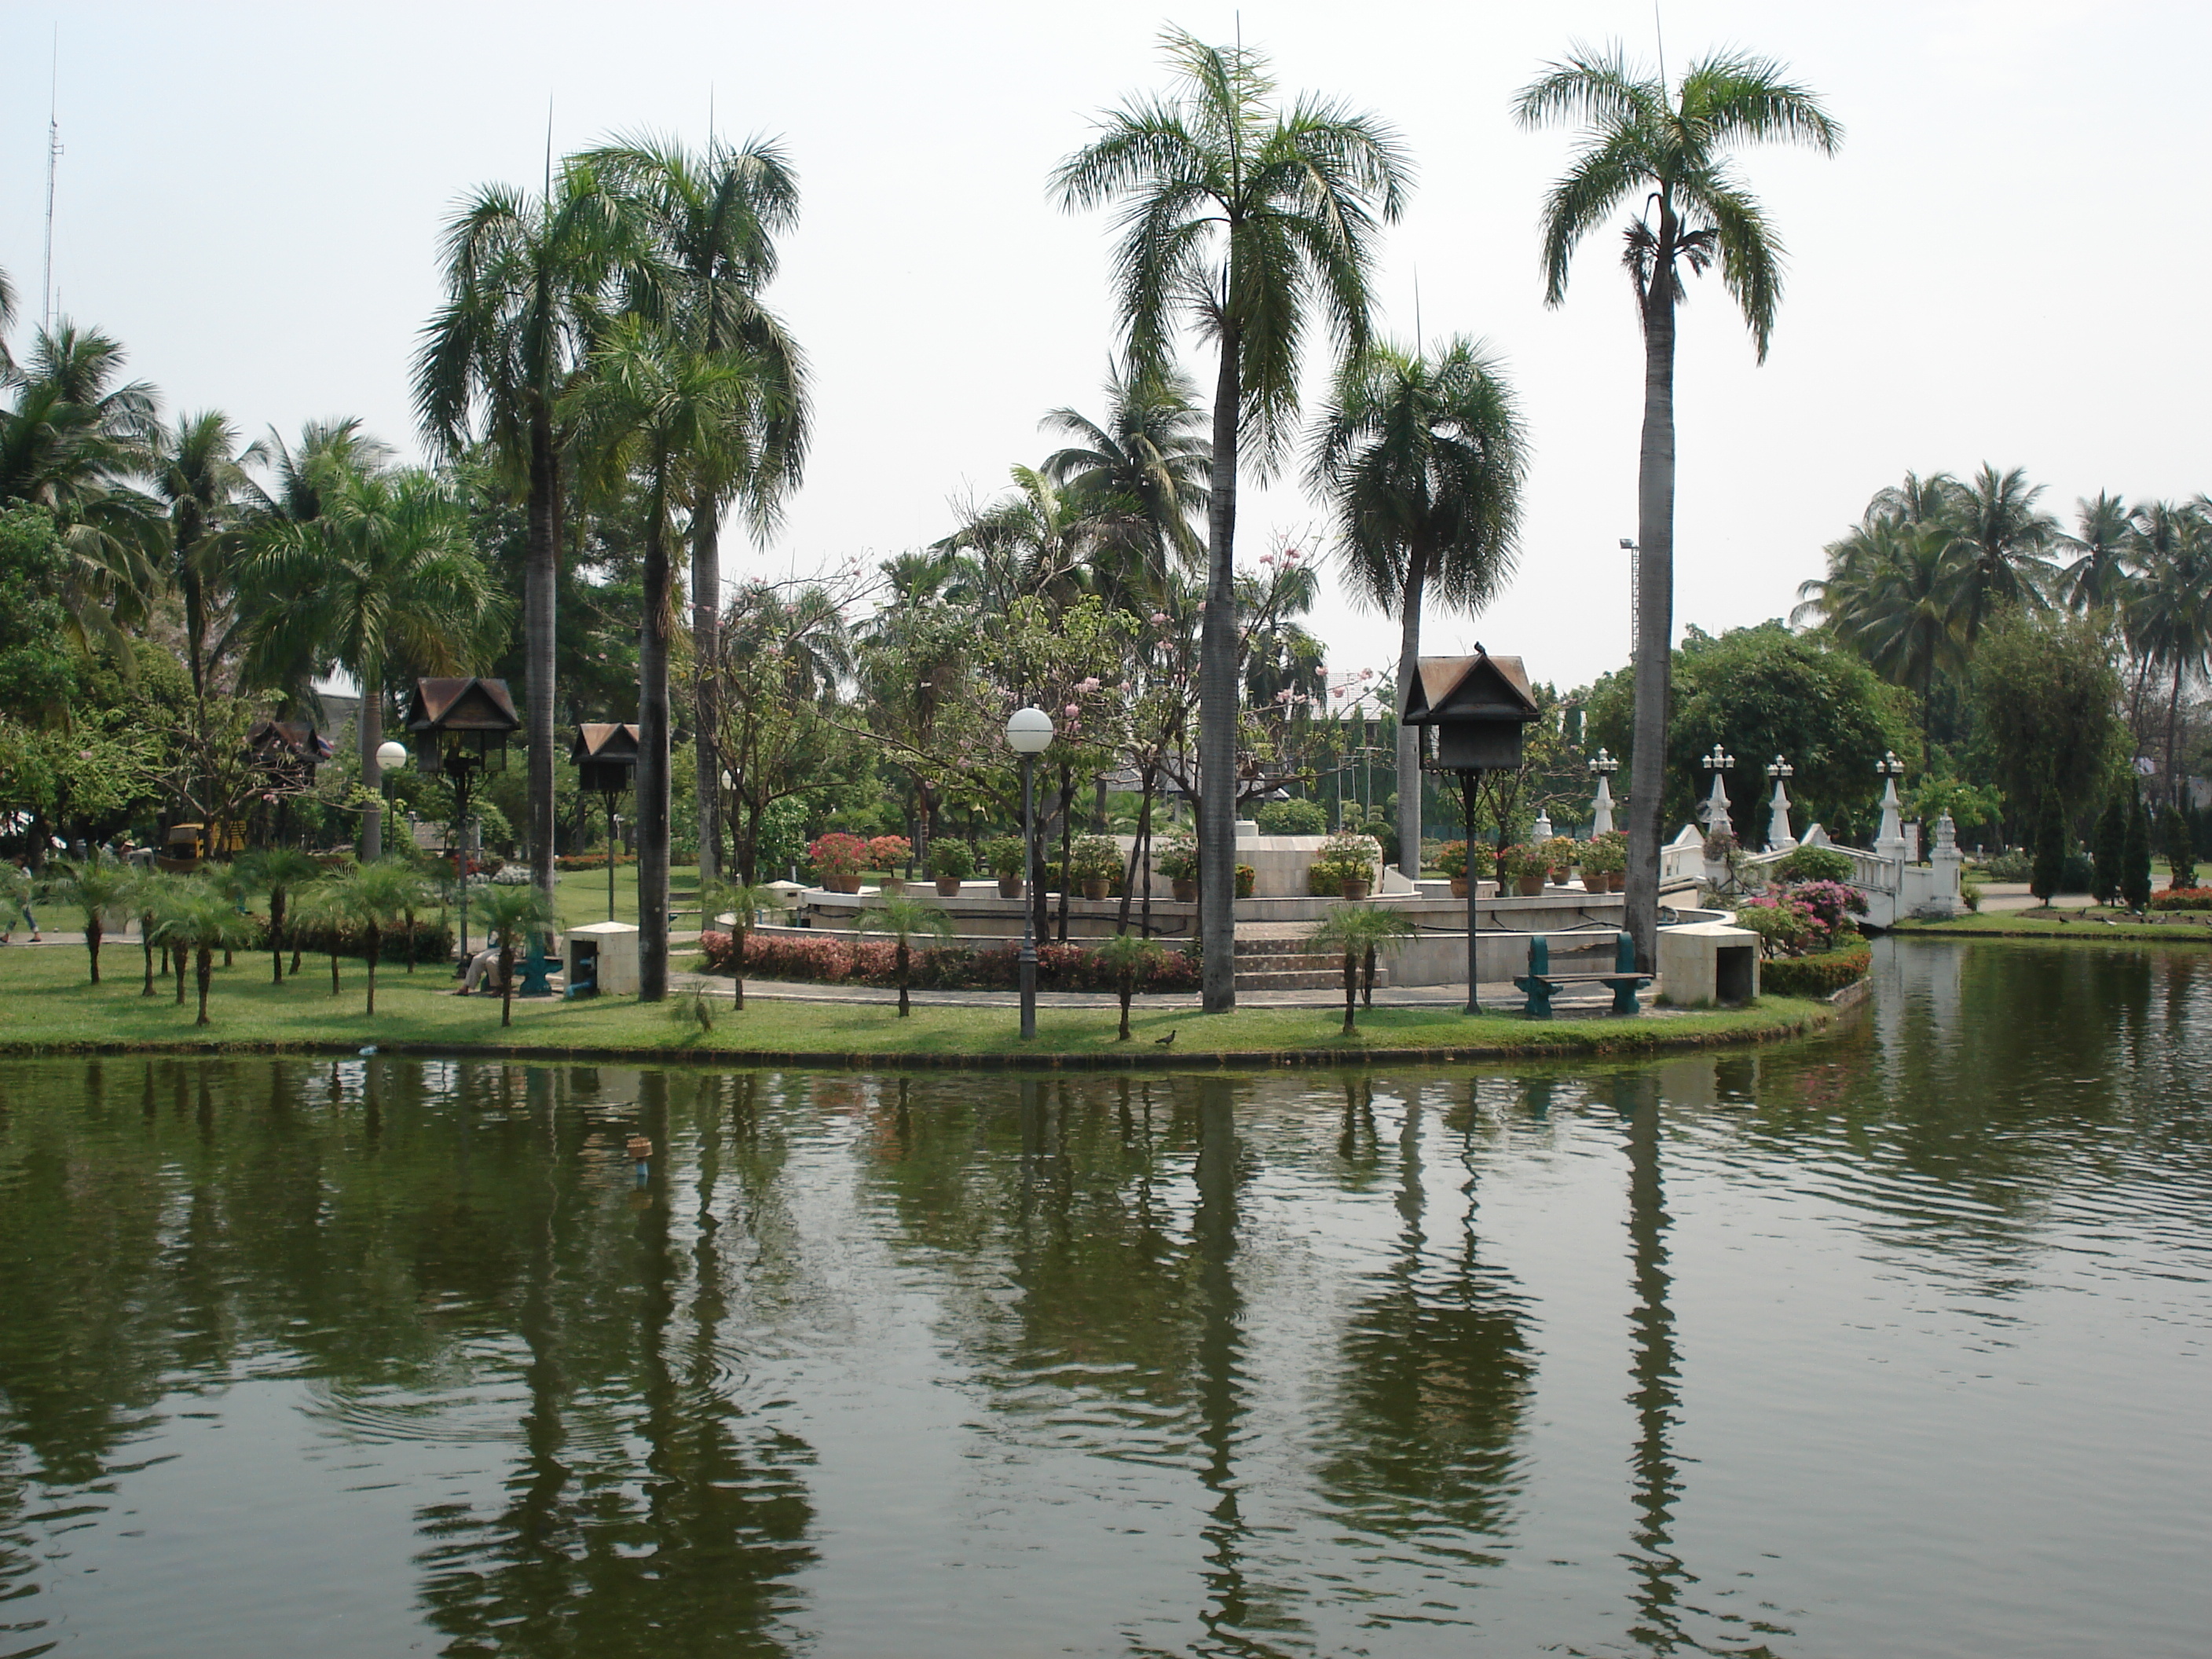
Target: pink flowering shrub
point(1806, 919)
point(837, 854)
point(825, 958)
point(889, 851)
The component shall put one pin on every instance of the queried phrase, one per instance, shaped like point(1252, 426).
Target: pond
point(1892, 1341)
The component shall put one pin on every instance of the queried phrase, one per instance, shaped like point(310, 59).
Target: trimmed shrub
point(1291, 817)
point(591, 860)
point(1813, 863)
point(2182, 898)
point(1818, 975)
point(434, 940)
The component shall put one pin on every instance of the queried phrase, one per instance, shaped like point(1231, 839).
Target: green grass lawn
point(46, 1001)
point(581, 896)
point(2178, 926)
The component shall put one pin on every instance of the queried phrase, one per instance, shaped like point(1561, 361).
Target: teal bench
point(1540, 981)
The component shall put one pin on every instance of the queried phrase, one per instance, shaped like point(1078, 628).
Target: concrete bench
point(1539, 983)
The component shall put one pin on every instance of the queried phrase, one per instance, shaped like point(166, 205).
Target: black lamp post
point(1480, 707)
point(461, 727)
point(1028, 734)
point(606, 761)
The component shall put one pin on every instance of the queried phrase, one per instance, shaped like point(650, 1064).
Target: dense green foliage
point(1820, 976)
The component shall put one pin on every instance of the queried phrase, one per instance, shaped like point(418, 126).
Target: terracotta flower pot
point(948, 887)
point(1096, 887)
point(843, 883)
point(1185, 889)
point(1010, 886)
point(1459, 886)
point(1530, 884)
point(1356, 889)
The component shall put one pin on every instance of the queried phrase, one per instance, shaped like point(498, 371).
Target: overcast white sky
point(2006, 261)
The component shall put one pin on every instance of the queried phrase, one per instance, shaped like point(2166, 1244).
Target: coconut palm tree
point(199, 919)
point(197, 475)
point(510, 915)
point(280, 871)
point(1358, 931)
point(1150, 454)
point(384, 574)
point(2005, 539)
point(658, 410)
point(1895, 594)
point(2098, 541)
point(712, 220)
point(92, 887)
point(2168, 618)
point(1422, 459)
point(529, 287)
point(906, 919)
point(1243, 218)
point(1666, 150)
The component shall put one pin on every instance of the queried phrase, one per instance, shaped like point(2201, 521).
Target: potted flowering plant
point(1604, 861)
point(1560, 855)
point(1524, 867)
point(1178, 861)
point(838, 860)
point(951, 863)
point(1462, 866)
point(888, 854)
point(1345, 866)
point(1002, 856)
point(1095, 860)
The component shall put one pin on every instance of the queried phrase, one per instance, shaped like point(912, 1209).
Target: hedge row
point(434, 941)
point(1816, 977)
point(2182, 898)
point(826, 959)
point(591, 861)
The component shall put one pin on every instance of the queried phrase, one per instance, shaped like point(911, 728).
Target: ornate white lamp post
point(1028, 734)
point(1602, 766)
point(390, 757)
point(1890, 843)
point(1718, 765)
point(1777, 810)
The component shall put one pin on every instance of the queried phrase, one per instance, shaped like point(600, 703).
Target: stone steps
point(1290, 964)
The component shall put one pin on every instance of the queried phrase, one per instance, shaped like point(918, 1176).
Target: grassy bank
point(46, 1004)
point(2094, 925)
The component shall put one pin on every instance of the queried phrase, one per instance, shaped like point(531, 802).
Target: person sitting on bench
point(482, 967)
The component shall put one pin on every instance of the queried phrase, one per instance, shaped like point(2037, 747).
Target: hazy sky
point(2006, 262)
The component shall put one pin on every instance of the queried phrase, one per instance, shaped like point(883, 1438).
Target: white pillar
point(1777, 819)
point(1890, 841)
point(1601, 809)
point(1542, 830)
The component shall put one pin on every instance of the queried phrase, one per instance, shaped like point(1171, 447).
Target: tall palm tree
point(1243, 218)
point(2098, 576)
point(2168, 620)
point(511, 915)
point(383, 576)
point(1422, 459)
point(2005, 538)
point(1895, 594)
point(529, 286)
point(1151, 453)
point(197, 475)
point(658, 411)
point(75, 437)
point(1666, 150)
point(713, 220)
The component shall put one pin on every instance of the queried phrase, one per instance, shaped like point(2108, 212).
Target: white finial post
point(1603, 767)
point(1778, 809)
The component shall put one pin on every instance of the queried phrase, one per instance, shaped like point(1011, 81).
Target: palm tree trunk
point(1127, 987)
point(1351, 989)
point(206, 977)
point(1409, 737)
point(2172, 751)
point(375, 949)
point(1217, 700)
point(539, 581)
point(368, 724)
point(706, 687)
point(653, 808)
point(1067, 844)
point(904, 960)
point(1655, 527)
point(276, 934)
point(92, 930)
point(182, 952)
point(506, 984)
point(146, 945)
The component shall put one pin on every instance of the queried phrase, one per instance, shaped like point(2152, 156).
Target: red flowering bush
point(889, 851)
point(838, 856)
point(2182, 898)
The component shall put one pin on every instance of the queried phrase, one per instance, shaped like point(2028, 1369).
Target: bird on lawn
point(1162, 1042)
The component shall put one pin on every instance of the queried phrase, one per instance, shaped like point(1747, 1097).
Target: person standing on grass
point(15, 896)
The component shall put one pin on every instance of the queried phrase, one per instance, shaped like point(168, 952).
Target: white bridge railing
point(1893, 884)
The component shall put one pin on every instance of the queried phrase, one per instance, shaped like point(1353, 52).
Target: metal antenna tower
point(53, 159)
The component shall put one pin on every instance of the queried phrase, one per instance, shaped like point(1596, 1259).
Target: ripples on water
point(1891, 1342)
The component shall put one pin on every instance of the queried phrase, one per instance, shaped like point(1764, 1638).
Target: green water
point(1891, 1343)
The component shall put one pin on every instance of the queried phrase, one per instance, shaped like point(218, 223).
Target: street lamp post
point(1028, 734)
point(1890, 843)
point(1718, 765)
point(390, 757)
point(1602, 766)
point(1777, 810)
point(461, 727)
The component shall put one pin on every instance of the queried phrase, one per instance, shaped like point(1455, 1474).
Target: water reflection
point(1723, 1354)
